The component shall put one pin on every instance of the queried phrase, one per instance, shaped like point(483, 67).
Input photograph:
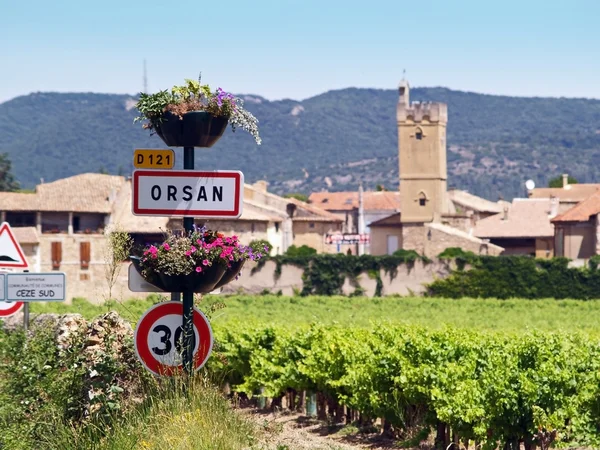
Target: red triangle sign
point(11, 253)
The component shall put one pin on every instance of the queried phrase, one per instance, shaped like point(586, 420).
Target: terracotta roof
point(344, 201)
point(314, 214)
point(16, 201)
point(582, 211)
point(463, 198)
point(527, 218)
point(124, 218)
point(26, 235)
point(458, 233)
point(88, 192)
point(393, 220)
point(570, 193)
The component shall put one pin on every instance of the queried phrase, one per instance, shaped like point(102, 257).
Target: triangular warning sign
point(11, 253)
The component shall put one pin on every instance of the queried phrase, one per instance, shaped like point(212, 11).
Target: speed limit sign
point(9, 308)
point(159, 339)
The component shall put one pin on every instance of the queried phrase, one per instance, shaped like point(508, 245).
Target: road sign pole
point(188, 296)
point(26, 313)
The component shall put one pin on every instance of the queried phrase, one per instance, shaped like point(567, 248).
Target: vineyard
point(472, 387)
point(493, 373)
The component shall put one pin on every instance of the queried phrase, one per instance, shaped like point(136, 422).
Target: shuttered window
point(56, 255)
point(84, 254)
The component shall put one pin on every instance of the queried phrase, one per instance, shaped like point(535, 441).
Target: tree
point(297, 196)
point(557, 182)
point(8, 183)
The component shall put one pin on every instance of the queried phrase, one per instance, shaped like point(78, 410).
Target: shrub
point(303, 250)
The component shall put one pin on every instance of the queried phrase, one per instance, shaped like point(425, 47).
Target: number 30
point(166, 339)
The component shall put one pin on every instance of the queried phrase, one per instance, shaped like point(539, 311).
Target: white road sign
point(11, 254)
point(138, 284)
point(214, 194)
point(35, 287)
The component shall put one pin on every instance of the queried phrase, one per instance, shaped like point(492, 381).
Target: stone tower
point(422, 158)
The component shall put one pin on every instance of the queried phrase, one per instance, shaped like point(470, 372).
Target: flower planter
point(202, 282)
point(194, 129)
point(231, 273)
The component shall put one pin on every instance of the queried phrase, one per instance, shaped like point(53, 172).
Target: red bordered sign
point(158, 338)
point(9, 308)
point(214, 194)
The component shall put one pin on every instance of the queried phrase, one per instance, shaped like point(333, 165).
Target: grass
point(481, 314)
point(170, 419)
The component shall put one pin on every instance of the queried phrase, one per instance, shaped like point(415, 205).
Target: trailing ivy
point(517, 276)
point(324, 274)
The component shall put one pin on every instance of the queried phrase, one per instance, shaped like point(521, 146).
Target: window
point(84, 255)
point(56, 250)
point(422, 199)
point(419, 135)
point(311, 225)
point(276, 227)
point(76, 224)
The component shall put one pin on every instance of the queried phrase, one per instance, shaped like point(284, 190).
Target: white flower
point(94, 373)
point(46, 367)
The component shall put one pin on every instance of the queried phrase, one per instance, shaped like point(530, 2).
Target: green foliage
point(8, 183)
point(297, 196)
point(519, 277)
point(46, 383)
point(261, 245)
point(523, 138)
point(557, 182)
point(486, 387)
point(303, 250)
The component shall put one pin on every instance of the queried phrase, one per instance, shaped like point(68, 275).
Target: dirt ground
point(287, 430)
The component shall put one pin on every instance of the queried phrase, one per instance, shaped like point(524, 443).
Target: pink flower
point(188, 253)
point(166, 246)
point(205, 262)
point(198, 269)
point(193, 249)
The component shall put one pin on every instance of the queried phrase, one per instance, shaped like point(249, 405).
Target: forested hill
point(331, 141)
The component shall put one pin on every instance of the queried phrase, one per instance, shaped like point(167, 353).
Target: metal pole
point(188, 296)
point(26, 313)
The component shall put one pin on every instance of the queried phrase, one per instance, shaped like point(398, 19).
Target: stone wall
point(409, 280)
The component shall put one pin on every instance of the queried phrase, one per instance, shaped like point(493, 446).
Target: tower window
point(422, 199)
point(419, 135)
point(422, 202)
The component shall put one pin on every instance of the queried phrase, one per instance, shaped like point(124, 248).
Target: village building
point(523, 228)
point(431, 218)
point(62, 226)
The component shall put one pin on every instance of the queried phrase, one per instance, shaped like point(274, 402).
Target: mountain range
point(332, 141)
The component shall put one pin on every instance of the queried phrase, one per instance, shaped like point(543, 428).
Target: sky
point(297, 49)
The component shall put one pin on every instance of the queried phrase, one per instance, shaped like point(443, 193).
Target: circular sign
point(159, 339)
point(9, 308)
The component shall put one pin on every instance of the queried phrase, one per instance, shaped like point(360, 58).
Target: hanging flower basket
point(200, 261)
point(192, 115)
point(231, 274)
point(193, 129)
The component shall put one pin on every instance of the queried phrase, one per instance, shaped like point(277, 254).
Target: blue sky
point(297, 49)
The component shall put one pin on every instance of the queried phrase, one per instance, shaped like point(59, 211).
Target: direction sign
point(136, 282)
point(215, 194)
point(153, 159)
point(158, 339)
point(11, 253)
point(7, 308)
point(35, 287)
